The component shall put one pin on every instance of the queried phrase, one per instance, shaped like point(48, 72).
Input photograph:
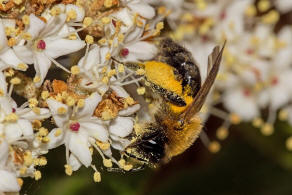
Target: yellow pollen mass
point(22, 66)
point(162, 75)
point(12, 117)
point(283, 115)
point(214, 147)
point(105, 20)
point(289, 143)
point(141, 90)
point(97, 176)
point(25, 19)
point(37, 175)
point(15, 81)
point(121, 68)
point(80, 103)
point(68, 170)
point(264, 5)
point(87, 21)
point(11, 42)
point(267, 129)
point(128, 167)
point(107, 163)
point(36, 79)
point(20, 181)
point(103, 145)
point(222, 133)
point(58, 132)
point(89, 39)
point(45, 95)
point(257, 122)
point(62, 110)
point(71, 14)
point(75, 70)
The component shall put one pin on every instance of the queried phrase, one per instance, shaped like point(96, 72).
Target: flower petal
point(56, 137)
point(3, 38)
point(92, 58)
point(74, 162)
point(54, 25)
point(60, 119)
point(119, 143)
point(60, 47)
point(8, 182)
point(143, 9)
point(141, 50)
point(95, 130)
point(24, 53)
point(121, 126)
point(89, 106)
point(28, 114)
point(41, 66)
point(10, 58)
point(4, 148)
point(35, 26)
point(130, 110)
point(12, 131)
point(78, 145)
point(3, 84)
point(26, 127)
point(79, 12)
point(120, 91)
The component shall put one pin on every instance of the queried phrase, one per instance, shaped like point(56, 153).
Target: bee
point(175, 76)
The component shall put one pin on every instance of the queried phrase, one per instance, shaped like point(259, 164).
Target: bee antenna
point(200, 98)
point(115, 60)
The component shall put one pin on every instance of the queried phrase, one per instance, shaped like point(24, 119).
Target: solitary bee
point(175, 76)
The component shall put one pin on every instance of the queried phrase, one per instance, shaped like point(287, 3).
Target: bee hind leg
point(170, 96)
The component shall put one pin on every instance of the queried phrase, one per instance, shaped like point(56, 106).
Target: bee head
point(148, 147)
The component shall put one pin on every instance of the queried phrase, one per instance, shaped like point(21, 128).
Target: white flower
point(47, 43)
point(15, 122)
point(7, 55)
point(8, 179)
point(75, 127)
point(243, 102)
point(283, 5)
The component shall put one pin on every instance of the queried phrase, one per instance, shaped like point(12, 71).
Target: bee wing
point(212, 57)
point(200, 98)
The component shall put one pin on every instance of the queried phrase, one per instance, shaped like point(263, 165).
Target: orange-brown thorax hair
point(163, 75)
point(179, 140)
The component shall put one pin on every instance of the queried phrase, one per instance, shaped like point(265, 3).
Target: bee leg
point(168, 95)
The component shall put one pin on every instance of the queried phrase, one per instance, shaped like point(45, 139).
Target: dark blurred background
point(248, 163)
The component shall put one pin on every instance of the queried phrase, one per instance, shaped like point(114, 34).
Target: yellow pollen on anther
point(23, 170)
point(129, 100)
point(140, 71)
point(36, 110)
point(25, 19)
point(108, 56)
point(222, 133)
point(42, 161)
point(97, 176)
point(107, 163)
point(33, 102)
point(20, 181)
point(105, 20)
point(103, 145)
point(45, 95)
point(55, 11)
point(141, 90)
point(68, 170)
point(22, 66)
point(61, 110)
point(11, 42)
point(89, 39)
point(105, 80)
point(87, 21)
point(264, 5)
point(267, 129)
point(121, 68)
point(17, 2)
point(12, 117)
point(271, 18)
point(234, 118)
point(75, 70)
point(128, 167)
point(36, 79)
point(122, 162)
point(214, 147)
point(43, 131)
point(15, 81)
point(289, 143)
point(257, 122)
point(108, 3)
point(58, 132)
point(71, 15)
point(283, 115)
point(80, 103)
point(37, 175)
point(26, 36)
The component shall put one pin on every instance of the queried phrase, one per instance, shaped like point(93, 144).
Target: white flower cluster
point(256, 71)
point(92, 111)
